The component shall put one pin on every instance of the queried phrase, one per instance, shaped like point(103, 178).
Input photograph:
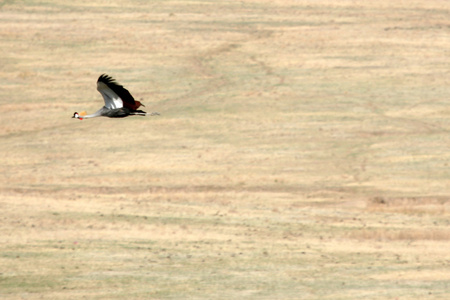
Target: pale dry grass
point(302, 150)
point(406, 234)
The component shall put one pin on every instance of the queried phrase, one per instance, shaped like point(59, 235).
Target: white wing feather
point(112, 100)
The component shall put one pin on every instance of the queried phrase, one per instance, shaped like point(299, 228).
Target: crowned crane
point(118, 101)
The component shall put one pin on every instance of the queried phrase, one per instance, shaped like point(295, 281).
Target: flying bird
point(118, 101)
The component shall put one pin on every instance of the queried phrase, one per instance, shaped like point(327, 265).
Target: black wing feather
point(122, 92)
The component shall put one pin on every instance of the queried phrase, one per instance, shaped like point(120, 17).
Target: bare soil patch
point(301, 151)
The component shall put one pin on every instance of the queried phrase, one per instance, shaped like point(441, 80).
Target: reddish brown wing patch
point(131, 106)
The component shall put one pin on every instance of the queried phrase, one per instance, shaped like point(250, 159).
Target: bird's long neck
point(98, 113)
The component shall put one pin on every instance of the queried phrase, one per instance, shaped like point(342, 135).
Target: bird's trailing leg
point(154, 114)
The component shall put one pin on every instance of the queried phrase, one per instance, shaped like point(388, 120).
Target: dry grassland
point(302, 150)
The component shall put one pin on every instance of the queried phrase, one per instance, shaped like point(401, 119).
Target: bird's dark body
point(123, 112)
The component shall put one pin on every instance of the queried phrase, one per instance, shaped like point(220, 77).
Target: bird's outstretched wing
point(115, 95)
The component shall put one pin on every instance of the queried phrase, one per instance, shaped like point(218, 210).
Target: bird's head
point(77, 116)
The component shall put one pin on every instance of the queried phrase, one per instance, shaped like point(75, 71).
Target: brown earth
point(302, 150)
